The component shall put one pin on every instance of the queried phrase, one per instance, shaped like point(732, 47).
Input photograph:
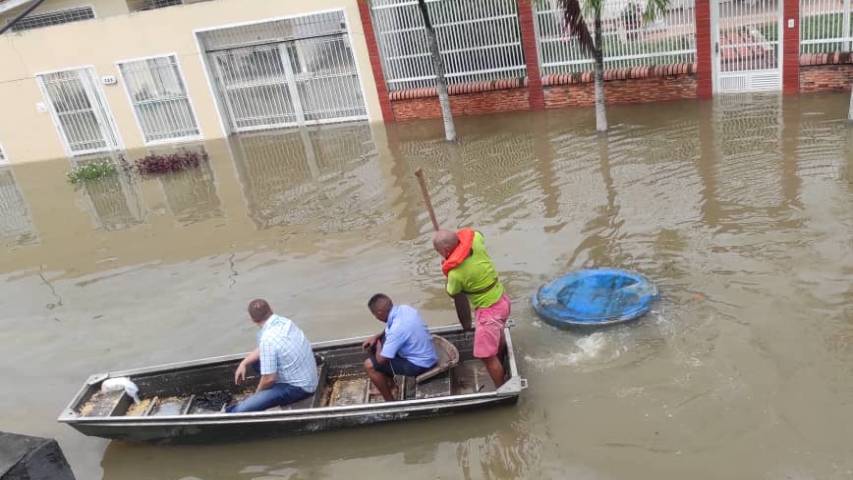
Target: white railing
point(156, 90)
point(479, 40)
point(826, 26)
point(628, 39)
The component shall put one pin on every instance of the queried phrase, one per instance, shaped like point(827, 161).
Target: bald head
point(259, 310)
point(444, 241)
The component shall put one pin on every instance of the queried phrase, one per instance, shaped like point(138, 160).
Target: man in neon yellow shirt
point(471, 276)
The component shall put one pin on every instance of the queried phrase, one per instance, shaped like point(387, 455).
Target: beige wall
point(28, 134)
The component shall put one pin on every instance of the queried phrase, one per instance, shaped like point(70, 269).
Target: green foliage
point(91, 171)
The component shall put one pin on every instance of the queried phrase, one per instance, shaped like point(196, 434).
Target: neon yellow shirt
point(474, 275)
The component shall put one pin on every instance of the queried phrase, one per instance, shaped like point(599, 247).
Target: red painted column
point(704, 52)
point(526, 17)
point(375, 61)
point(791, 47)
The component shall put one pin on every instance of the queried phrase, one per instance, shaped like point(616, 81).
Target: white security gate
point(80, 111)
point(284, 73)
point(747, 45)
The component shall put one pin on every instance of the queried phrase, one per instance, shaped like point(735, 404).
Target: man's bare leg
point(495, 369)
point(380, 380)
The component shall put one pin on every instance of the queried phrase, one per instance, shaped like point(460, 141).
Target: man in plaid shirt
point(283, 358)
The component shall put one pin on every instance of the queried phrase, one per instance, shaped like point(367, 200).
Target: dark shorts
point(398, 366)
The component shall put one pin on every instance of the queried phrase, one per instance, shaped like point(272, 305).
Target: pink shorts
point(490, 325)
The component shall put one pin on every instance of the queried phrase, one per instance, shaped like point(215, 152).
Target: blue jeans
point(277, 395)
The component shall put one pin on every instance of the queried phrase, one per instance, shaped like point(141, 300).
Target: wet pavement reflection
point(741, 209)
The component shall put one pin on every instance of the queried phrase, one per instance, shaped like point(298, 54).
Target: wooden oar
point(425, 192)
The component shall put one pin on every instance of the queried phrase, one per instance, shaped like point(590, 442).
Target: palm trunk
point(440, 82)
point(598, 54)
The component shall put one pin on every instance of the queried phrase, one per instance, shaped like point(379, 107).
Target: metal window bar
point(79, 110)
point(479, 40)
point(629, 40)
point(826, 26)
point(293, 72)
point(58, 17)
point(159, 98)
point(749, 36)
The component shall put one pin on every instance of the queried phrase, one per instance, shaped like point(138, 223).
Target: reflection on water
point(319, 177)
point(191, 194)
point(115, 202)
point(16, 226)
point(740, 209)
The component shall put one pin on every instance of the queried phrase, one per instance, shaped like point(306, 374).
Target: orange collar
point(461, 252)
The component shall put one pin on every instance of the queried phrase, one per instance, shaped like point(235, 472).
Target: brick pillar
point(791, 47)
point(526, 17)
point(375, 61)
point(704, 52)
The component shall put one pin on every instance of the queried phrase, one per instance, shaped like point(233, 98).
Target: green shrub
point(91, 171)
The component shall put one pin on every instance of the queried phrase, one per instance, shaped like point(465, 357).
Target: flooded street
point(740, 209)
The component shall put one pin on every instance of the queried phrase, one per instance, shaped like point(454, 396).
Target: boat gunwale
point(512, 387)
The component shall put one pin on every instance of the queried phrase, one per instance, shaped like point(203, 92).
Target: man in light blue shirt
point(283, 358)
point(404, 348)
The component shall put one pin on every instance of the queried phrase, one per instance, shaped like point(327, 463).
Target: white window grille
point(826, 26)
point(79, 110)
point(58, 17)
point(628, 39)
point(158, 94)
point(286, 72)
point(479, 40)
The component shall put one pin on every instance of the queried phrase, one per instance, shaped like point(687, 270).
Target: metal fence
point(628, 39)
point(287, 72)
point(80, 111)
point(826, 26)
point(159, 98)
point(478, 40)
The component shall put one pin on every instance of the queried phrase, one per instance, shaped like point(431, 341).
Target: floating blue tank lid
point(599, 296)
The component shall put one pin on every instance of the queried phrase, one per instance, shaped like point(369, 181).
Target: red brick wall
point(641, 90)
point(375, 61)
point(791, 48)
point(531, 57)
point(825, 78)
point(465, 104)
point(704, 81)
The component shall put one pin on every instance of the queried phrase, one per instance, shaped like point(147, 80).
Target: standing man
point(471, 275)
point(404, 348)
point(283, 358)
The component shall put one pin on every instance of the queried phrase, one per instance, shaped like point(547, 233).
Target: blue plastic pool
point(590, 297)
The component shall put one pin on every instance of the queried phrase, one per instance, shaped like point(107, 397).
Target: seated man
point(283, 358)
point(404, 348)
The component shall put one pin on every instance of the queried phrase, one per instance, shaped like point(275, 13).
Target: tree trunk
point(598, 54)
point(440, 82)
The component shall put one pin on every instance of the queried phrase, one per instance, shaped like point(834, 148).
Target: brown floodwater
point(740, 209)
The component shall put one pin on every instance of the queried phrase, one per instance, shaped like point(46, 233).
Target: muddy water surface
point(741, 210)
